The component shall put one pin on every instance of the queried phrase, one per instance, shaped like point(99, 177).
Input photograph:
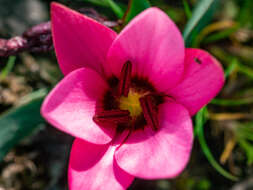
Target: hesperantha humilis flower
point(128, 98)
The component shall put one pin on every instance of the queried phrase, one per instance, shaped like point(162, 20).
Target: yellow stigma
point(131, 103)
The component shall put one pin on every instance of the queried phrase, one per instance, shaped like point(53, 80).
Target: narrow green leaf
point(102, 3)
point(245, 14)
point(8, 67)
point(19, 123)
point(200, 121)
point(220, 35)
point(199, 15)
point(242, 68)
point(109, 4)
point(34, 95)
point(134, 8)
point(238, 102)
point(245, 132)
point(248, 148)
point(115, 8)
point(231, 68)
point(248, 71)
point(187, 9)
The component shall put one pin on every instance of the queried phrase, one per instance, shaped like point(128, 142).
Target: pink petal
point(71, 105)
point(202, 81)
point(154, 45)
point(79, 40)
point(159, 154)
point(92, 167)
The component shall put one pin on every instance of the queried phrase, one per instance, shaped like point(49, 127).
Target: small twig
point(39, 37)
point(35, 39)
point(230, 144)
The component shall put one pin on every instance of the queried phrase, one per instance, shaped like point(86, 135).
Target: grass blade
point(134, 8)
point(226, 102)
point(199, 132)
point(198, 15)
point(101, 3)
point(108, 4)
point(10, 64)
point(187, 9)
point(115, 8)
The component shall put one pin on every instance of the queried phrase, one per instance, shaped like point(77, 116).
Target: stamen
point(149, 112)
point(125, 79)
point(112, 116)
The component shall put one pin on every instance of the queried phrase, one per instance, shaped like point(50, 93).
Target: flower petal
point(159, 154)
point(154, 45)
point(93, 167)
point(79, 40)
point(203, 79)
point(71, 105)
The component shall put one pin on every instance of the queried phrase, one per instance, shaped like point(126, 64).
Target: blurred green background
point(34, 155)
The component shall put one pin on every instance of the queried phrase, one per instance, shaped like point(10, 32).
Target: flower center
point(131, 103)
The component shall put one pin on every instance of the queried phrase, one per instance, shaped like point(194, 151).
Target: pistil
point(125, 79)
point(149, 112)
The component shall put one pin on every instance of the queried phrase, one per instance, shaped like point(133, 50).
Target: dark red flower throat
point(131, 103)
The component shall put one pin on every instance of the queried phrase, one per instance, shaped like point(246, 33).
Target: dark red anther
point(149, 112)
point(113, 116)
point(125, 79)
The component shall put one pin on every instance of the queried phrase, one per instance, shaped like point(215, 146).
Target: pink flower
point(127, 98)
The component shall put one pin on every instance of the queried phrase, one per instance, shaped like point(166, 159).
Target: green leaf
point(248, 71)
point(102, 3)
point(221, 35)
point(245, 132)
point(245, 14)
point(108, 4)
point(187, 9)
point(200, 120)
point(199, 131)
point(231, 68)
point(134, 8)
point(10, 64)
point(242, 68)
point(19, 123)
point(200, 16)
point(237, 102)
point(115, 8)
point(248, 148)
